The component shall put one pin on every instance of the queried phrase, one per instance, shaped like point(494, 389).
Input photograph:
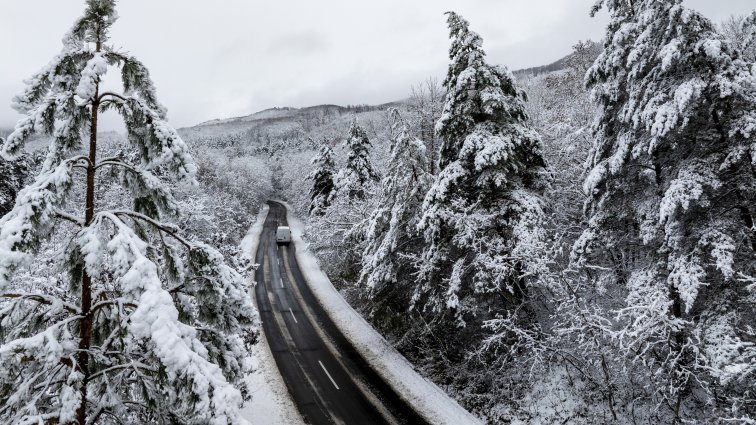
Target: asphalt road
point(326, 377)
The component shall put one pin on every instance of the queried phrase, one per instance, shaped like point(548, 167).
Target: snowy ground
point(427, 398)
point(271, 403)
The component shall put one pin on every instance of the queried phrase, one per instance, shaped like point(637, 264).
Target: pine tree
point(358, 173)
point(322, 180)
point(672, 186)
point(14, 173)
point(392, 228)
point(143, 325)
point(749, 41)
point(482, 216)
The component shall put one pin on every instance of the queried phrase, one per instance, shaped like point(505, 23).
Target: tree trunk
point(85, 327)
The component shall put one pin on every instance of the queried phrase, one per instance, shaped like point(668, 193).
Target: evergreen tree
point(392, 228)
point(13, 175)
point(358, 172)
point(144, 325)
point(749, 41)
point(482, 216)
point(322, 180)
point(672, 188)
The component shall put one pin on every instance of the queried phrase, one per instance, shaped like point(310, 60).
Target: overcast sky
point(223, 58)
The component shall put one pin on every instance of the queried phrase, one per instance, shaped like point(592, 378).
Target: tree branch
point(68, 217)
point(116, 162)
point(111, 94)
point(42, 299)
point(169, 229)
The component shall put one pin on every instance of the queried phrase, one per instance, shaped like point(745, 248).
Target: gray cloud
point(234, 57)
point(308, 42)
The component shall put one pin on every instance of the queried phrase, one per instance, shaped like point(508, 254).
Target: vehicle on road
point(283, 235)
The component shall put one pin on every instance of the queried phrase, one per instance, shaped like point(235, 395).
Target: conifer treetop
point(477, 91)
point(749, 25)
point(359, 171)
point(322, 177)
point(56, 99)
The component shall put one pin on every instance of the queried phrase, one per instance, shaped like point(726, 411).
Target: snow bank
point(271, 403)
point(251, 240)
point(424, 396)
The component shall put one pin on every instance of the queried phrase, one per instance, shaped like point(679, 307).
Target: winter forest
point(570, 244)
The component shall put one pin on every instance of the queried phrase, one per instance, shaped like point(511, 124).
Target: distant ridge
point(288, 112)
point(544, 69)
point(559, 65)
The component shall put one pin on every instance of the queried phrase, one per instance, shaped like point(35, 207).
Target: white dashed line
point(281, 279)
point(293, 316)
point(329, 375)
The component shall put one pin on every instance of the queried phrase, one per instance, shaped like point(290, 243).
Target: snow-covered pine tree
point(391, 235)
point(672, 189)
point(482, 216)
point(359, 172)
point(13, 175)
point(322, 177)
point(143, 325)
point(749, 42)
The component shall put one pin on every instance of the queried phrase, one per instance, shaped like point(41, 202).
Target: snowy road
point(327, 378)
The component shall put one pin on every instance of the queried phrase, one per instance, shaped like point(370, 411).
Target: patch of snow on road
point(424, 396)
point(271, 403)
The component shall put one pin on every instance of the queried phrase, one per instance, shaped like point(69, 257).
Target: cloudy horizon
point(233, 58)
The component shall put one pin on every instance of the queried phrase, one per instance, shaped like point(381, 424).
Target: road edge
point(430, 401)
point(257, 413)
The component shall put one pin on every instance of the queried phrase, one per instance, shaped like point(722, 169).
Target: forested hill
point(284, 121)
point(560, 64)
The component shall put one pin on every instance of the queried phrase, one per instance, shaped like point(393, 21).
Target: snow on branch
point(32, 218)
point(38, 116)
point(151, 196)
point(95, 68)
point(156, 322)
point(40, 84)
point(136, 80)
point(158, 143)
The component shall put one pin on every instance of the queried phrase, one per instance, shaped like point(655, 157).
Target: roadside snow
point(251, 240)
point(271, 403)
point(424, 396)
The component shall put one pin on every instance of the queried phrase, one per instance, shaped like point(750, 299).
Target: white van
point(283, 235)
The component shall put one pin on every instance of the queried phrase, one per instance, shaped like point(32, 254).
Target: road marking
point(329, 375)
point(281, 279)
point(292, 315)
